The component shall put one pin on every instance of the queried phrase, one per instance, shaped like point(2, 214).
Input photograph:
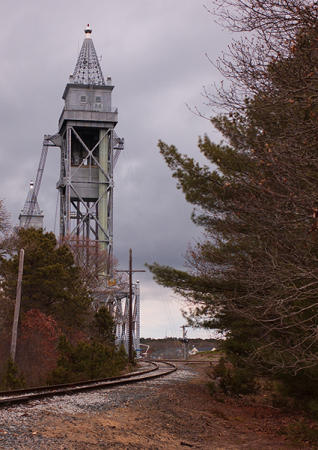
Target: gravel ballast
point(21, 427)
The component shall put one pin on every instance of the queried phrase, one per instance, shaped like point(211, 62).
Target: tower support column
point(103, 192)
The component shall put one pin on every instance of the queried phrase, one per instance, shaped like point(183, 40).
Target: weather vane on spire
point(88, 30)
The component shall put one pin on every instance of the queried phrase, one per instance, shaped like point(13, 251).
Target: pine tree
point(255, 276)
point(11, 378)
point(87, 361)
point(103, 326)
point(51, 280)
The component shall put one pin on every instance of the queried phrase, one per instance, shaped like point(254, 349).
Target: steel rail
point(78, 383)
point(18, 396)
point(186, 361)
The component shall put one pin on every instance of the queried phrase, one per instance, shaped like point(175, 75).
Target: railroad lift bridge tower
point(90, 148)
point(86, 127)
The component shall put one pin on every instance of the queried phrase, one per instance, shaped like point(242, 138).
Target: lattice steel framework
point(89, 151)
point(90, 147)
point(86, 189)
point(120, 311)
point(31, 215)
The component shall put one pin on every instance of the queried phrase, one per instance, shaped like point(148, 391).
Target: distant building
point(194, 351)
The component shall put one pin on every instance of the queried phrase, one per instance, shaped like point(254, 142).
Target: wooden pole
point(130, 324)
point(17, 307)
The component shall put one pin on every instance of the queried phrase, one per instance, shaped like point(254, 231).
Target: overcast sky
point(154, 50)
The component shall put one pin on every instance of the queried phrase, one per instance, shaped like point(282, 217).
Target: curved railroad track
point(157, 369)
point(188, 361)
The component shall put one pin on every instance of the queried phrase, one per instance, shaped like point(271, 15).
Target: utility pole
point(130, 332)
point(17, 307)
point(130, 271)
point(185, 341)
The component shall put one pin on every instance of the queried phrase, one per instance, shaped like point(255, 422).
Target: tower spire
point(34, 220)
point(87, 70)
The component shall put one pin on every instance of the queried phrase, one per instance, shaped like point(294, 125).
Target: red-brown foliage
point(36, 352)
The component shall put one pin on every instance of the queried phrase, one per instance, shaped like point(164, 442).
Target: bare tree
point(97, 270)
point(255, 275)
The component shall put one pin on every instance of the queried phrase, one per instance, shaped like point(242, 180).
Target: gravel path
point(23, 427)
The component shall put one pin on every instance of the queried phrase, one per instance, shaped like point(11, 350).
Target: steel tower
point(89, 150)
point(86, 126)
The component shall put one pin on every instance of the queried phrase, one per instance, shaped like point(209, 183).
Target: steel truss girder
point(48, 141)
point(120, 310)
point(86, 212)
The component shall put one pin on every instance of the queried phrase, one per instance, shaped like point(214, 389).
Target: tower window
point(98, 99)
point(83, 98)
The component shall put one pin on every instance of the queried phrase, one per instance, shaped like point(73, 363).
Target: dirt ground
point(175, 415)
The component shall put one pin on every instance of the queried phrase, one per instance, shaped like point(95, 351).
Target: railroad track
point(189, 361)
point(157, 369)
